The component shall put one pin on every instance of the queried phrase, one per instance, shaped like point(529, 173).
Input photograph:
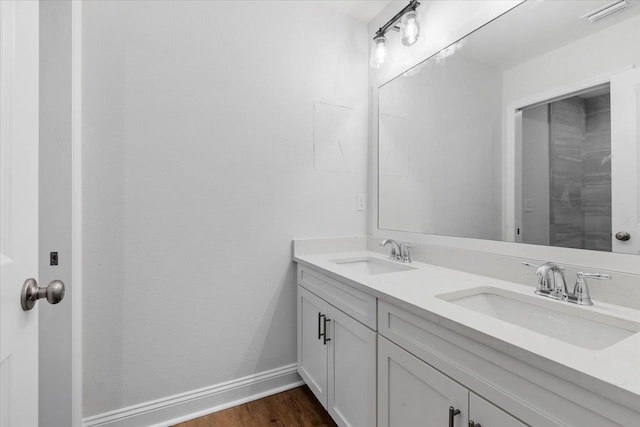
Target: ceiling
point(530, 30)
point(362, 10)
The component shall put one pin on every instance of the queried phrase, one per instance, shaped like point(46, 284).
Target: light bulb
point(379, 52)
point(410, 25)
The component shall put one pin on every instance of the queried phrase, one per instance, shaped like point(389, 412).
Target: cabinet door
point(486, 414)
point(312, 351)
point(352, 371)
point(412, 393)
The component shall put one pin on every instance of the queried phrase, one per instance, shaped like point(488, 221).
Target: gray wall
point(198, 170)
point(55, 210)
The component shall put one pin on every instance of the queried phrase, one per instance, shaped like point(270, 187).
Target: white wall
point(198, 160)
point(55, 211)
point(535, 174)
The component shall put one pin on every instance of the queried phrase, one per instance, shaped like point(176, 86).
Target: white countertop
point(613, 372)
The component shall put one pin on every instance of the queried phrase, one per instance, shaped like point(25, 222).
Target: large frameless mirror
point(526, 130)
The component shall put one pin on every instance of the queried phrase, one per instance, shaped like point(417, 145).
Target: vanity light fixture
point(407, 22)
point(410, 27)
point(379, 52)
point(605, 11)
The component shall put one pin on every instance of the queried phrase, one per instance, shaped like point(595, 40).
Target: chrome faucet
point(395, 248)
point(400, 251)
point(552, 283)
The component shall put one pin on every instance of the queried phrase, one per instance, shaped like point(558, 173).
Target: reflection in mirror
point(566, 172)
point(527, 130)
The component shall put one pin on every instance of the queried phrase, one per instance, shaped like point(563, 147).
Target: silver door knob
point(623, 235)
point(54, 293)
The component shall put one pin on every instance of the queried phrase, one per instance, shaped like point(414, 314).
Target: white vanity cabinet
point(374, 359)
point(502, 390)
point(412, 393)
point(337, 357)
point(312, 351)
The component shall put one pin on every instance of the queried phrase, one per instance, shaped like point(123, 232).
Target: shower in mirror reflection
point(566, 172)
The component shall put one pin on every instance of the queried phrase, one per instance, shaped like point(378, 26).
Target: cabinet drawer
point(355, 303)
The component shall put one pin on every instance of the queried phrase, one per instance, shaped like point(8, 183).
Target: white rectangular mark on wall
point(334, 136)
point(394, 137)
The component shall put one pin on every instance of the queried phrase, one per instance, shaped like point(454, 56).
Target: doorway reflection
point(566, 174)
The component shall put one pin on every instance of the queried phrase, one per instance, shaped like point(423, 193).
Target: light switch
point(528, 205)
point(362, 202)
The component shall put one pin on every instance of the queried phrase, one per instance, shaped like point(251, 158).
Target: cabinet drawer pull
point(320, 316)
point(452, 413)
point(324, 334)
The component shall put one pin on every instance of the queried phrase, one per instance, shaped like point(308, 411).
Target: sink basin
point(369, 265)
point(576, 325)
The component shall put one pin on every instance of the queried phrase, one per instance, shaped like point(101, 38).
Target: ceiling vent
point(606, 11)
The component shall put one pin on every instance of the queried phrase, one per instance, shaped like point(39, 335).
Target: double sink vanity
point(383, 342)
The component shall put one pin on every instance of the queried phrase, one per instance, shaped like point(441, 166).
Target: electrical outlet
point(362, 202)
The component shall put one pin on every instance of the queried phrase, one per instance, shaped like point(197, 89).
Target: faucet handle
point(405, 251)
point(581, 294)
point(599, 276)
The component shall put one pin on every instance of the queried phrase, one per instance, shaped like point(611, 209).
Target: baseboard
point(196, 403)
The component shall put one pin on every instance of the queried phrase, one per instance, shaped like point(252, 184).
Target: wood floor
point(293, 408)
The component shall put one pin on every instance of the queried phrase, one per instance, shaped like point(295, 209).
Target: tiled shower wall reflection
point(580, 162)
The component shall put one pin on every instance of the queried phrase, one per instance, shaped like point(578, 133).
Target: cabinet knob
point(474, 424)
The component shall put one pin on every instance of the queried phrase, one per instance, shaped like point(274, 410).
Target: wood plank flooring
point(294, 408)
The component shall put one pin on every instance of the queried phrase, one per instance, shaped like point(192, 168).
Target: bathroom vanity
point(392, 344)
point(518, 141)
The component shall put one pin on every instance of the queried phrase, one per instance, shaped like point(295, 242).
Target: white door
point(625, 162)
point(312, 345)
point(413, 394)
point(352, 371)
point(18, 211)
